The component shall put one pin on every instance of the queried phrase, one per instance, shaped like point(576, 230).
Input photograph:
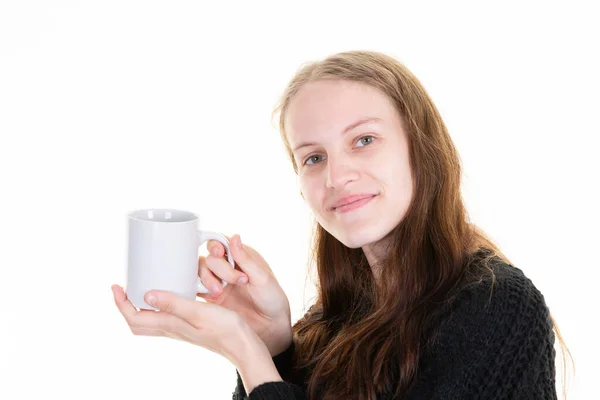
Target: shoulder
point(501, 302)
point(498, 320)
point(502, 289)
point(494, 340)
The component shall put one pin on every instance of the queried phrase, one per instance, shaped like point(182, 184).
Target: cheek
point(310, 188)
point(402, 182)
point(396, 177)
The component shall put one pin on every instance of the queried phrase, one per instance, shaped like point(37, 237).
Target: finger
point(202, 268)
point(190, 311)
point(150, 323)
point(138, 322)
point(248, 264)
point(192, 319)
point(208, 278)
point(123, 304)
point(223, 270)
point(210, 297)
point(216, 248)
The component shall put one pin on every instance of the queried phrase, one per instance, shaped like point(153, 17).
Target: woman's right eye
point(315, 159)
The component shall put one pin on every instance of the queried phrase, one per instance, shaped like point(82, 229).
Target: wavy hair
point(374, 328)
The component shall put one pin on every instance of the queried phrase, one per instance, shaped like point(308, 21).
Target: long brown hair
point(374, 327)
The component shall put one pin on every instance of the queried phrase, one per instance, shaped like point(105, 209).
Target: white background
point(111, 106)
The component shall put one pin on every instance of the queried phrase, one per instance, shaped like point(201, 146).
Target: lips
point(347, 200)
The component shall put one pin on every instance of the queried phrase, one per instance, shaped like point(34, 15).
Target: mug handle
point(204, 236)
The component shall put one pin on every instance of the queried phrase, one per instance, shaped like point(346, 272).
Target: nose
point(340, 171)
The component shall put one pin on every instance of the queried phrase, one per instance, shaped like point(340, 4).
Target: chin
point(353, 243)
point(361, 238)
point(360, 232)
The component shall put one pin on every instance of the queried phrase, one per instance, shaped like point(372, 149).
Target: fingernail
point(214, 251)
point(243, 280)
point(241, 245)
point(215, 288)
point(151, 300)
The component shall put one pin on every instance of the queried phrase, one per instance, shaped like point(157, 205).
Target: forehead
point(328, 106)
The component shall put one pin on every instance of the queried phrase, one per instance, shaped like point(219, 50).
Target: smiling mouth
point(353, 205)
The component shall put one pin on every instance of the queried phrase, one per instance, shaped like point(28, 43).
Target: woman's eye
point(363, 141)
point(366, 140)
point(312, 160)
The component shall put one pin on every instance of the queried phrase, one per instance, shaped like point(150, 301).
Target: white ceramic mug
point(163, 254)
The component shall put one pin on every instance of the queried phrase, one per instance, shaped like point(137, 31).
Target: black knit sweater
point(495, 342)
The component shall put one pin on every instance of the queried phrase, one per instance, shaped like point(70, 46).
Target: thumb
point(173, 304)
point(250, 265)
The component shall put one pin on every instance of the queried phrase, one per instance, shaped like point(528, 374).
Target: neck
point(374, 253)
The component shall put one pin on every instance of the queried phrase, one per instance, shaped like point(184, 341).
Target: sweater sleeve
point(273, 390)
point(497, 343)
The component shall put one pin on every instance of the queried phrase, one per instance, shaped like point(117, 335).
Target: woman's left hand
point(204, 324)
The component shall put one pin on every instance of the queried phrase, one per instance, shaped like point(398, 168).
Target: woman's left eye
point(365, 140)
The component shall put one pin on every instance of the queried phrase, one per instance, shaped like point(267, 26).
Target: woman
point(413, 300)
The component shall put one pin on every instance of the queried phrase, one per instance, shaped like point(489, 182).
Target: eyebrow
point(348, 128)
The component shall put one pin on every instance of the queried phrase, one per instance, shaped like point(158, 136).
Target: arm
point(521, 362)
point(283, 363)
point(260, 374)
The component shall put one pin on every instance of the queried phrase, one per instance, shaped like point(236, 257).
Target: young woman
point(414, 302)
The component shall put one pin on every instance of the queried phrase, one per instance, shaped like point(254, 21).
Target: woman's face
point(350, 146)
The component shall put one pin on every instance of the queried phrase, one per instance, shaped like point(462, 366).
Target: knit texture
point(495, 342)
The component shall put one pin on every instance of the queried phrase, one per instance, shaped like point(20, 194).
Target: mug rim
point(132, 215)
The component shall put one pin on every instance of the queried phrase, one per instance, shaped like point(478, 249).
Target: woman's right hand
point(260, 301)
